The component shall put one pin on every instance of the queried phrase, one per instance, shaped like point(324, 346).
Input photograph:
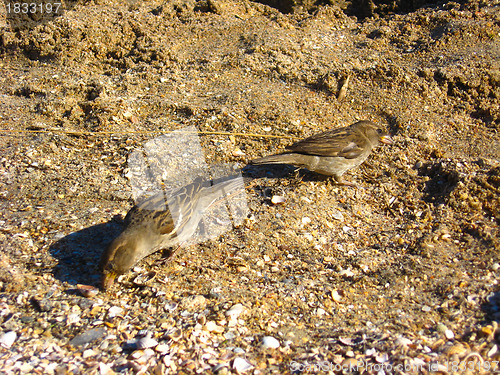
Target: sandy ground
point(402, 270)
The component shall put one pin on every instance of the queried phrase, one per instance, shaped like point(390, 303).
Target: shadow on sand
point(79, 253)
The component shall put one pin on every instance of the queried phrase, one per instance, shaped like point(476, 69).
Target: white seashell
point(88, 353)
point(114, 311)
point(382, 358)
point(175, 334)
point(242, 365)
point(144, 279)
point(87, 290)
point(162, 348)
point(449, 334)
point(171, 306)
point(278, 199)
point(146, 342)
point(235, 311)
point(403, 341)
point(104, 369)
point(269, 342)
point(337, 215)
point(72, 318)
point(211, 326)
point(7, 339)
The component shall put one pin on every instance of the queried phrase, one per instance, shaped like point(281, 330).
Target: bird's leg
point(297, 176)
point(340, 181)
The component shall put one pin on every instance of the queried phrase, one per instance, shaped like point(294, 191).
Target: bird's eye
point(379, 131)
point(109, 266)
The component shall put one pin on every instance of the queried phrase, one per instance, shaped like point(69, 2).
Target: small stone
point(194, 303)
point(350, 363)
point(88, 336)
point(87, 291)
point(269, 342)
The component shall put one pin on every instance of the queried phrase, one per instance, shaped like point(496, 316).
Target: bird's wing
point(168, 212)
point(340, 142)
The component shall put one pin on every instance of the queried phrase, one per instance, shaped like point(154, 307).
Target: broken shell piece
point(146, 342)
point(87, 290)
point(278, 199)
point(7, 339)
point(238, 152)
point(144, 279)
point(241, 365)
point(175, 334)
point(201, 319)
point(171, 306)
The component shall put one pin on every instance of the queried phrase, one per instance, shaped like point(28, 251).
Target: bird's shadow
point(79, 253)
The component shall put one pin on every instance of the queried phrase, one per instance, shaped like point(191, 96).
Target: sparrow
point(333, 152)
point(158, 223)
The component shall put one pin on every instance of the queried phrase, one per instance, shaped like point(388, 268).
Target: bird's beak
point(108, 280)
point(386, 139)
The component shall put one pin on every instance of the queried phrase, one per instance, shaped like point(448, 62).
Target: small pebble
point(88, 336)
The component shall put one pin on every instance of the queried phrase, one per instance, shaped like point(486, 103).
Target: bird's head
point(120, 256)
point(373, 132)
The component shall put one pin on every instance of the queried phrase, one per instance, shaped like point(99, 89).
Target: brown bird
point(333, 152)
point(153, 225)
